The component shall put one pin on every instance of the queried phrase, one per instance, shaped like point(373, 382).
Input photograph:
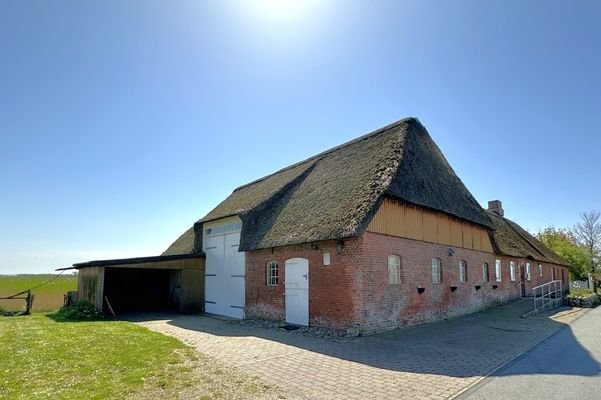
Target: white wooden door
point(297, 291)
point(214, 283)
point(224, 275)
point(234, 277)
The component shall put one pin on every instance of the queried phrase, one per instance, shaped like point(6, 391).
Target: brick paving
point(432, 361)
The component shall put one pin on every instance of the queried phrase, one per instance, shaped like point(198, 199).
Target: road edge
point(510, 360)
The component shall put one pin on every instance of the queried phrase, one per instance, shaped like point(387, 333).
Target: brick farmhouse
point(374, 234)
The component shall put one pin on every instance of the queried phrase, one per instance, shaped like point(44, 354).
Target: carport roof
point(136, 260)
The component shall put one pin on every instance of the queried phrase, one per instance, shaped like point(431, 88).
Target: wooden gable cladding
point(405, 220)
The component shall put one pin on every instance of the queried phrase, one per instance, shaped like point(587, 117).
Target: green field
point(46, 358)
point(47, 298)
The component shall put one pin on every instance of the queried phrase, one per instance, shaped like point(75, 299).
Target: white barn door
point(297, 291)
point(224, 271)
point(214, 265)
point(234, 277)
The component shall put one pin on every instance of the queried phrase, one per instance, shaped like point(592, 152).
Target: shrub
point(583, 298)
point(80, 310)
point(582, 292)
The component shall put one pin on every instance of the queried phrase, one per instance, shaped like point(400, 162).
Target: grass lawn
point(44, 358)
point(47, 298)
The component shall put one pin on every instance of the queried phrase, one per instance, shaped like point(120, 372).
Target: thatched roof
point(183, 245)
point(334, 194)
point(512, 240)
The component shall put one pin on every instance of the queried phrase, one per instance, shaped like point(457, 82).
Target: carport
point(161, 283)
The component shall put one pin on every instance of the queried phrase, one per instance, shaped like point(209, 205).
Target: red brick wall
point(388, 306)
point(354, 289)
point(536, 279)
point(331, 288)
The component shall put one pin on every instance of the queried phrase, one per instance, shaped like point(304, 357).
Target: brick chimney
point(496, 206)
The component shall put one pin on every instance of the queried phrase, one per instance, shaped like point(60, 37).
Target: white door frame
point(296, 291)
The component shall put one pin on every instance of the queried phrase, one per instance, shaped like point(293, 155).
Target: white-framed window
point(462, 271)
point(272, 273)
point(485, 276)
point(436, 271)
point(498, 276)
point(394, 270)
point(528, 272)
point(540, 270)
point(512, 271)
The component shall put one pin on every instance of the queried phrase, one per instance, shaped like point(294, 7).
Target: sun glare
point(283, 10)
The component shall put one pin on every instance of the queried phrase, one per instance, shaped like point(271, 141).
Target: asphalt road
point(565, 366)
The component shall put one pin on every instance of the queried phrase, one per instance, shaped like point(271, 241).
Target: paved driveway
point(432, 361)
point(565, 366)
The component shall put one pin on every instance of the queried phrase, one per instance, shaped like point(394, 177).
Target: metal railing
point(548, 295)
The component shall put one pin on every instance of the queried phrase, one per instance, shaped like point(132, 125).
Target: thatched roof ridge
point(331, 201)
point(251, 194)
point(512, 240)
point(425, 178)
point(334, 194)
point(330, 150)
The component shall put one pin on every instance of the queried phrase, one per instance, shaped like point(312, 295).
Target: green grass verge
point(45, 358)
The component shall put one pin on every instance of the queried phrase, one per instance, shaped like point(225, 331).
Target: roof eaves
point(554, 257)
point(136, 260)
point(535, 253)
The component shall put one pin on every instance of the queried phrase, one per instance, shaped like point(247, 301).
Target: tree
point(564, 243)
point(588, 234)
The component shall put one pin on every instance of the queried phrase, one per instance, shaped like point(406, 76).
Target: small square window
point(528, 272)
point(512, 270)
point(326, 258)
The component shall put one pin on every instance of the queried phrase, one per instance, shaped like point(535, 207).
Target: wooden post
point(109, 306)
point(29, 302)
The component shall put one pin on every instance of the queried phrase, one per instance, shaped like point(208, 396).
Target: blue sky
point(123, 122)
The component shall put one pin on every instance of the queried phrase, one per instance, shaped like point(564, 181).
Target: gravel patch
point(307, 331)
